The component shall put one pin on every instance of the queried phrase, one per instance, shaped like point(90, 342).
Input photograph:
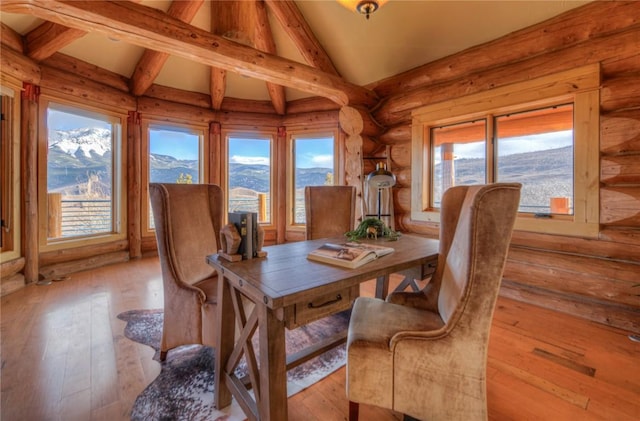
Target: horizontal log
point(178, 95)
point(582, 246)
point(77, 253)
point(11, 38)
point(255, 121)
point(60, 270)
point(313, 119)
point(397, 134)
point(618, 66)
point(620, 132)
point(88, 71)
point(624, 236)
point(305, 105)
point(620, 206)
point(247, 106)
point(396, 109)
point(620, 93)
point(11, 284)
point(619, 316)
point(148, 245)
point(623, 169)
point(580, 25)
point(603, 279)
point(401, 155)
point(20, 67)
point(173, 111)
point(11, 267)
point(85, 89)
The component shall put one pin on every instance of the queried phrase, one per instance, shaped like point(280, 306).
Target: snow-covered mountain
point(84, 140)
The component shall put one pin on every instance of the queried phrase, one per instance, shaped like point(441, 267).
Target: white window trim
point(119, 168)
point(580, 86)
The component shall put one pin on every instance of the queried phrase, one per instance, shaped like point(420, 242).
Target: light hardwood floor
point(64, 357)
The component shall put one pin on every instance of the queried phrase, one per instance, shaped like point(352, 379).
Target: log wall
point(592, 278)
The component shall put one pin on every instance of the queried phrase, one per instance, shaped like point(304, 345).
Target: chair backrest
point(330, 210)
point(476, 227)
point(188, 218)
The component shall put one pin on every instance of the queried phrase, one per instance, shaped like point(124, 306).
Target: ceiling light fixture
point(364, 7)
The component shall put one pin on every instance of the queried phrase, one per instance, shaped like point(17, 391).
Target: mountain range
point(79, 161)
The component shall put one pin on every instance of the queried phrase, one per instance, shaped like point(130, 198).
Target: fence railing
point(70, 218)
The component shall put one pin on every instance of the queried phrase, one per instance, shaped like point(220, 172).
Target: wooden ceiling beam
point(150, 64)
point(11, 38)
point(153, 29)
point(263, 40)
point(301, 34)
point(45, 40)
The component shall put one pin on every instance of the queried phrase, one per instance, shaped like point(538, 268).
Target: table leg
point(273, 370)
point(382, 286)
point(225, 340)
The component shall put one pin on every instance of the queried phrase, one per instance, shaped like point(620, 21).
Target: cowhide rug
point(184, 388)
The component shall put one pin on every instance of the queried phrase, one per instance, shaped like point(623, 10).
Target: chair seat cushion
point(374, 322)
point(369, 359)
point(210, 288)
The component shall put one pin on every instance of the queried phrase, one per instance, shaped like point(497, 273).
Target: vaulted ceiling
point(313, 47)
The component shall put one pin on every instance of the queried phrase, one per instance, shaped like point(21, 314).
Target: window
point(9, 164)
point(459, 156)
point(174, 155)
point(250, 174)
point(542, 133)
point(535, 148)
point(83, 174)
point(313, 164)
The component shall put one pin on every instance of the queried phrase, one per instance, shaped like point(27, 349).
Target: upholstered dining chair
point(188, 218)
point(330, 210)
point(424, 353)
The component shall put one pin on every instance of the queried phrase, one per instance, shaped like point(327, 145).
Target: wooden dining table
point(284, 290)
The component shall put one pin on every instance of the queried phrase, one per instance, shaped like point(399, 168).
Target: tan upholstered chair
point(424, 353)
point(330, 210)
point(188, 218)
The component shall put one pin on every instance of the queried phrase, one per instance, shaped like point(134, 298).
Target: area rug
point(184, 388)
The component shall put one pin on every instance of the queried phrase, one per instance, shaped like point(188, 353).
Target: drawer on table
point(320, 306)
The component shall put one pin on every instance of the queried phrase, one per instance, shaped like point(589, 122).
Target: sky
point(310, 152)
point(514, 145)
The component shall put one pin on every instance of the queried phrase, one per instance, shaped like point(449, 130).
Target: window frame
point(580, 86)
point(269, 135)
point(118, 120)
point(338, 178)
point(11, 209)
point(202, 131)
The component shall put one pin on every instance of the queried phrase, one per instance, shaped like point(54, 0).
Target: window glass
point(459, 157)
point(249, 177)
point(313, 161)
point(174, 157)
point(535, 148)
point(81, 147)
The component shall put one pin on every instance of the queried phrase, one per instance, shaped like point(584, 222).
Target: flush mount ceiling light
point(365, 7)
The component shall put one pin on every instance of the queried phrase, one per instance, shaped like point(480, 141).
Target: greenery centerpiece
point(372, 227)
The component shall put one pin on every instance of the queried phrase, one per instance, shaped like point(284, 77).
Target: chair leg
point(163, 355)
point(354, 409)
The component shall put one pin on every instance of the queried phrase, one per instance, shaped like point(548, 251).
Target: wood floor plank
point(65, 357)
